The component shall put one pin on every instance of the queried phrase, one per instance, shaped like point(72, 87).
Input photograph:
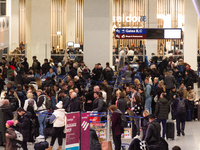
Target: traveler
point(41, 101)
point(74, 104)
point(122, 103)
point(58, 120)
point(14, 103)
point(183, 89)
point(144, 123)
point(98, 102)
point(180, 107)
point(148, 95)
point(10, 135)
point(45, 66)
point(21, 94)
point(94, 141)
point(169, 82)
point(5, 115)
point(188, 75)
point(162, 110)
point(191, 96)
point(50, 73)
point(127, 74)
point(153, 132)
point(73, 71)
point(65, 99)
point(137, 111)
point(29, 97)
point(35, 65)
point(116, 127)
point(23, 123)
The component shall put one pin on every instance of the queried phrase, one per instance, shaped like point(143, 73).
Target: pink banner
point(85, 131)
point(72, 131)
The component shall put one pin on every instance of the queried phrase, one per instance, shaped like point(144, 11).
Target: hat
point(76, 77)
point(152, 116)
point(10, 122)
point(59, 105)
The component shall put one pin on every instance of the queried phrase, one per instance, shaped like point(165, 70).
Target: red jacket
point(13, 68)
point(116, 123)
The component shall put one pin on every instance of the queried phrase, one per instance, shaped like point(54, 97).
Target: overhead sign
point(148, 33)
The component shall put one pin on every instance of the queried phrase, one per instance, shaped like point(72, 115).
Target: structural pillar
point(13, 13)
point(190, 35)
point(151, 22)
point(38, 29)
point(71, 20)
point(97, 32)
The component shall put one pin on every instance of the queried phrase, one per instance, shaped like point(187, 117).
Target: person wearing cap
point(153, 132)
point(58, 120)
point(5, 114)
point(10, 135)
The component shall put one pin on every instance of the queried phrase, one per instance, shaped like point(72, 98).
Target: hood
point(163, 100)
point(118, 111)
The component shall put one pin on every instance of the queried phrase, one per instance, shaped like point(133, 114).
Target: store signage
point(148, 33)
point(129, 18)
point(85, 131)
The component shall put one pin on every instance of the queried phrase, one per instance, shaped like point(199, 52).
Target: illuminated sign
point(129, 18)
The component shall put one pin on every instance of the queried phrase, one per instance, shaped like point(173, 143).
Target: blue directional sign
point(130, 31)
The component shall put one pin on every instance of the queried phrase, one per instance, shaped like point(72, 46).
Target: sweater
point(191, 96)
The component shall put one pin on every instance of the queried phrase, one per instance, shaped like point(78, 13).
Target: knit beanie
point(59, 105)
point(10, 122)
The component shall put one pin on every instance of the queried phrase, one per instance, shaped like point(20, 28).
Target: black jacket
point(94, 141)
point(98, 105)
point(21, 79)
point(122, 105)
point(24, 125)
point(45, 68)
point(73, 72)
point(162, 108)
point(75, 105)
point(153, 133)
point(14, 103)
point(22, 97)
point(89, 96)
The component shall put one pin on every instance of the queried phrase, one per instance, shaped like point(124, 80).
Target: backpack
point(124, 122)
point(14, 104)
point(153, 90)
point(48, 103)
point(181, 109)
point(195, 77)
point(17, 142)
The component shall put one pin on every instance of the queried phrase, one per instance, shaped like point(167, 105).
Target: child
point(144, 123)
point(10, 135)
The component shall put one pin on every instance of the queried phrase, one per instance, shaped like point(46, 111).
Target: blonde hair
point(39, 82)
point(136, 82)
point(29, 95)
point(161, 83)
point(146, 112)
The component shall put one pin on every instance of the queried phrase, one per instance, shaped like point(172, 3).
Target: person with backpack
point(148, 95)
point(14, 103)
point(10, 135)
point(21, 94)
point(42, 102)
point(116, 127)
point(180, 106)
point(23, 123)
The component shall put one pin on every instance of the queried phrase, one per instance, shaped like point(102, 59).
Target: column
point(38, 29)
point(71, 20)
point(151, 22)
point(97, 32)
point(13, 13)
point(190, 35)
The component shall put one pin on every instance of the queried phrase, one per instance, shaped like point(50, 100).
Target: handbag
point(106, 145)
point(156, 99)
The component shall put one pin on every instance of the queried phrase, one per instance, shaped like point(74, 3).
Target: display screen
point(76, 45)
point(70, 44)
point(155, 34)
point(172, 33)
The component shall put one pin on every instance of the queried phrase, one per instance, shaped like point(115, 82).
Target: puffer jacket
point(153, 133)
point(94, 142)
point(14, 103)
point(24, 125)
point(59, 118)
point(162, 108)
point(9, 139)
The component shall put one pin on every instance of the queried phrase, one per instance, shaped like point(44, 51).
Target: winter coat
point(122, 104)
point(24, 125)
point(5, 115)
point(14, 103)
point(169, 81)
point(184, 92)
point(26, 105)
point(98, 105)
point(59, 120)
point(153, 133)
point(75, 105)
point(94, 142)
point(191, 96)
point(171, 96)
point(41, 100)
point(148, 90)
point(116, 122)
point(45, 68)
point(21, 79)
point(162, 109)
point(127, 75)
point(22, 97)
point(73, 72)
point(137, 109)
point(9, 139)
point(144, 123)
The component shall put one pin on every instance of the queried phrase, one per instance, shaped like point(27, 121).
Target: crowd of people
point(150, 92)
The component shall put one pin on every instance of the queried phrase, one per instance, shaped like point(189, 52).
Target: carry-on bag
point(170, 130)
point(41, 145)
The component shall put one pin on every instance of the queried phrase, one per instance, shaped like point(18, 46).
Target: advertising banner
point(85, 131)
point(72, 131)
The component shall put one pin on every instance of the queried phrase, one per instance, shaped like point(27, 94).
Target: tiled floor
point(191, 141)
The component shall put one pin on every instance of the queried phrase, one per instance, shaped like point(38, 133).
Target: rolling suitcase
point(195, 110)
point(170, 130)
point(189, 115)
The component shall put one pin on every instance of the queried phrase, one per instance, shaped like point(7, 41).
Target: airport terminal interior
point(101, 51)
